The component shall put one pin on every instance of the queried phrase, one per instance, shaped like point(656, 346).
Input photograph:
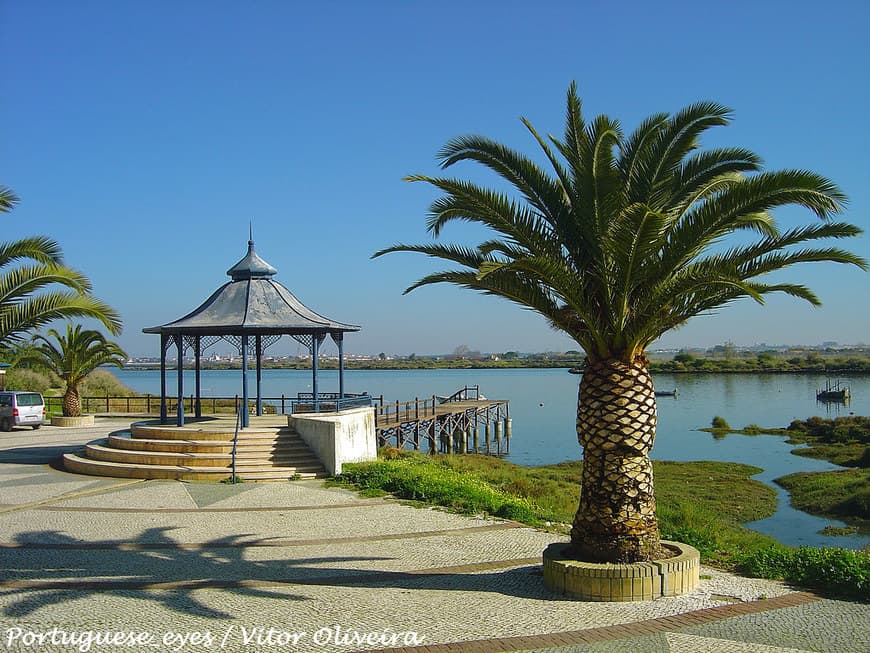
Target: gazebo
point(251, 305)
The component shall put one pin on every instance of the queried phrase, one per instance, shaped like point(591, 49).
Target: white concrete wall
point(337, 438)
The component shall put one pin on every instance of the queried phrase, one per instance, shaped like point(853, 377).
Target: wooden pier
point(465, 422)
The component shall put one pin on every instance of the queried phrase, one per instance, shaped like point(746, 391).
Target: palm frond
point(16, 320)
point(19, 283)
point(540, 190)
point(36, 248)
point(8, 199)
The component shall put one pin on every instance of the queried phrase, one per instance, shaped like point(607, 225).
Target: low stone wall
point(642, 581)
point(337, 438)
point(81, 420)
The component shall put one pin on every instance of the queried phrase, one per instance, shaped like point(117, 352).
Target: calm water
point(543, 407)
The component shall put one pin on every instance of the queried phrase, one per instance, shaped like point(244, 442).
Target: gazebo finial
point(251, 266)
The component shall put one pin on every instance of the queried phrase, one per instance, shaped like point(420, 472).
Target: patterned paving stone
point(680, 643)
point(241, 567)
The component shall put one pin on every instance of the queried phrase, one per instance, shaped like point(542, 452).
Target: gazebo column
point(163, 346)
point(258, 345)
point(315, 347)
point(246, 418)
point(339, 340)
point(197, 352)
point(179, 342)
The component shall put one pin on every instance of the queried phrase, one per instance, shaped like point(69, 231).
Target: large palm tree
point(621, 240)
point(72, 357)
point(42, 288)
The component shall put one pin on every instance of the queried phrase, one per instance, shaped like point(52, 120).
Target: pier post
point(508, 428)
point(474, 439)
point(497, 424)
point(432, 434)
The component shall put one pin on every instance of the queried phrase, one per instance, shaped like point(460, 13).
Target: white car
point(21, 409)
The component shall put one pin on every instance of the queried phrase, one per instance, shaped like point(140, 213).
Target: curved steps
point(187, 453)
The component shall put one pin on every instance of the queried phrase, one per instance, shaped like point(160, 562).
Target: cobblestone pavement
point(297, 566)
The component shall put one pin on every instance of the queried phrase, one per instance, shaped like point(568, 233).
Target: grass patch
point(835, 572)
point(843, 494)
point(700, 503)
point(850, 454)
point(843, 441)
point(413, 477)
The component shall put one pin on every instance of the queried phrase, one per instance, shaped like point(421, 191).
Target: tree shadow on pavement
point(46, 568)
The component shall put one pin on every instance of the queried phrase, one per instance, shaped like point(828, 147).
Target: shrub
point(100, 383)
point(410, 477)
point(27, 379)
point(720, 423)
point(838, 572)
point(858, 504)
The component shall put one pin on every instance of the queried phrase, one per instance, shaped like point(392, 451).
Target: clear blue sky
point(145, 135)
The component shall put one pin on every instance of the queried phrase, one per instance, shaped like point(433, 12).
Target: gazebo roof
point(252, 303)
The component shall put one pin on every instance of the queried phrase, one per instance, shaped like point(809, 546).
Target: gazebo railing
point(150, 404)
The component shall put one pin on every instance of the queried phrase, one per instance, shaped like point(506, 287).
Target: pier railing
point(467, 393)
point(404, 411)
point(464, 422)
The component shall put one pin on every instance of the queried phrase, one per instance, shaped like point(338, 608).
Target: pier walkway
point(465, 422)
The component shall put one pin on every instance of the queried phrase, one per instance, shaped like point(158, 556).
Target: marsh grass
point(700, 503)
point(844, 494)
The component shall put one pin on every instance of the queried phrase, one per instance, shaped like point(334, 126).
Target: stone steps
point(192, 453)
point(82, 465)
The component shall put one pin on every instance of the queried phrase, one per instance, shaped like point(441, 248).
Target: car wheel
point(5, 424)
point(36, 426)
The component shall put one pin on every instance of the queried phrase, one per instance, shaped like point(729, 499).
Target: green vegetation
point(837, 572)
point(766, 362)
point(843, 441)
point(22, 378)
point(841, 494)
point(719, 423)
point(825, 361)
point(701, 503)
point(98, 383)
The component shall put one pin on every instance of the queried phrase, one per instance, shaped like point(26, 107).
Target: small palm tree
point(618, 243)
point(27, 301)
point(72, 357)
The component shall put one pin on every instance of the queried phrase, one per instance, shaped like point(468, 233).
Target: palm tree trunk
point(616, 425)
point(72, 403)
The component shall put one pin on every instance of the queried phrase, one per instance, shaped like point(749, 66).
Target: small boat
point(834, 393)
point(667, 393)
point(575, 370)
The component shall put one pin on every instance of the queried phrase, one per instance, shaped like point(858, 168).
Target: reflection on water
point(543, 406)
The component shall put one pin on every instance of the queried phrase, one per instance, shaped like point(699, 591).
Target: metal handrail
point(328, 402)
point(236, 442)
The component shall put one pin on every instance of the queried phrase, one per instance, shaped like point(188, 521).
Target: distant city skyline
point(145, 137)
